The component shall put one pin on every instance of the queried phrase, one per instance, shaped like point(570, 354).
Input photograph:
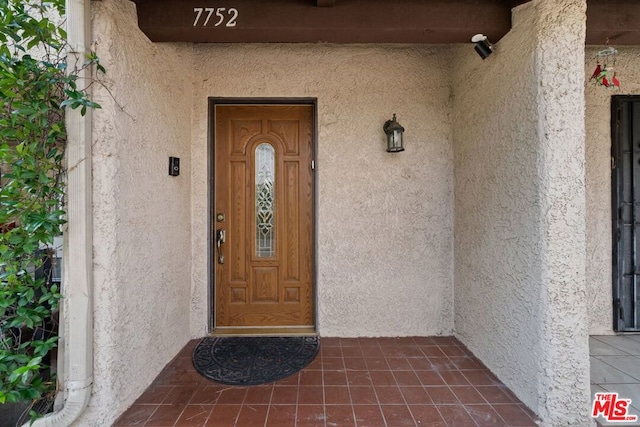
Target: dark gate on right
point(625, 153)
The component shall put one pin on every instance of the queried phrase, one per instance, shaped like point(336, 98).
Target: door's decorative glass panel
point(265, 201)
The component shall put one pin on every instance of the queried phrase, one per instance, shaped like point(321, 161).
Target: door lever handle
point(220, 238)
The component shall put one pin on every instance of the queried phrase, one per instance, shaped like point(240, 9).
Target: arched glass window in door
point(265, 166)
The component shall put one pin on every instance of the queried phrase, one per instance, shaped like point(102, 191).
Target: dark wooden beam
point(301, 21)
point(325, 3)
point(614, 21)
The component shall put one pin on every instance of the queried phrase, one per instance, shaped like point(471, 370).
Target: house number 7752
point(215, 16)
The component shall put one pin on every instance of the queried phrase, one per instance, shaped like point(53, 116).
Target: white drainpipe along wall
point(76, 326)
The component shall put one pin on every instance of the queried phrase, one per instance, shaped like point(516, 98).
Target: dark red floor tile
point(514, 415)
point(136, 415)
point(187, 350)
point(285, 395)
point(445, 341)
point(336, 395)
point(429, 378)
point(456, 415)
point(464, 362)
point(485, 416)
point(468, 394)
point(281, 416)
point(359, 378)
point(399, 364)
point(165, 415)
point(420, 364)
point(331, 351)
point(232, 396)
point(310, 416)
point(363, 395)
point(339, 415)
point(252, 415)
point(389, 395)
point(334, 378)
point(330, 342)
point(423, 341)
point(180, 395)
point(376, 363)
point(181, 363)
point(368, 416)
point(368, 342)
point(155, 394)
point(349, 342)
point(207, 394)
point(397, 415)
point(352, 352)
point(355, 364)
point(416, 396)
point(392, 351)
point(176, 377)
point(442, 395)
point(432, 351)
point(427, 415)
point(316, 364)
point(310, 395)
point(406, 378)
point(223, 415)
point(382, 378)
point(494, 394)
point(258, 395)
point(333, 364)
point(452, 350)
point(310, 378)
point(290, 380)
point(194, 416)
point(441, 363)
point(453, 377)
point(481, 378)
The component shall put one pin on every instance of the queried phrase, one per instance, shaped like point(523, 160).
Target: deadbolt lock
point(220, 217)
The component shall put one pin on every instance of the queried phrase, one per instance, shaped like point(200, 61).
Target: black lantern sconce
point(394, 135)
point(483, 47)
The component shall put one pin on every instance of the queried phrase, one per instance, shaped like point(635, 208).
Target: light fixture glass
point(394, 135)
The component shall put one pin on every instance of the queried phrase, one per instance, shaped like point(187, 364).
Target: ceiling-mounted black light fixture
point(394, 135)
point(483, 47)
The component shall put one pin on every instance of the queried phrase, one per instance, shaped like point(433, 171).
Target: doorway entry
point(625, 153)
point(263, 217)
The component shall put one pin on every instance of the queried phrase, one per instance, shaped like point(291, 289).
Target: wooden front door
point(263, 219)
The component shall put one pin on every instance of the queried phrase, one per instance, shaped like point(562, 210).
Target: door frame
point(616, 103)
point(211, 184)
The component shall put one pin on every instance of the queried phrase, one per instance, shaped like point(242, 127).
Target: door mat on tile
point(253, 360)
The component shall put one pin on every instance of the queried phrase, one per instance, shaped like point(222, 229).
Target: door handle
point(220, 238)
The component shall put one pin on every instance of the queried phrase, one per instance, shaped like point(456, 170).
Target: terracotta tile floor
point(377, 382)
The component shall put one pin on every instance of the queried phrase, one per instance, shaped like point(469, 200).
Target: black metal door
point(625, 152)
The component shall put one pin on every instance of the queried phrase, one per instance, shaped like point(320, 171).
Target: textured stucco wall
point(384, 221)
point(520, 301)
point(598, 129)
point(141, 215)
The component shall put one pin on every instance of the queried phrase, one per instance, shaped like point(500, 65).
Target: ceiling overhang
point(362, 21)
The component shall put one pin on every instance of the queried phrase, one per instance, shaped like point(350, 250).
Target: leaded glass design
point(265, 201)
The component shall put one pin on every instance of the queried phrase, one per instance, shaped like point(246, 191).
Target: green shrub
point(35, 88)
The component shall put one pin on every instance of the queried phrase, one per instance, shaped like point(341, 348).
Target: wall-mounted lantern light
point(394, 135)
point(483, 47)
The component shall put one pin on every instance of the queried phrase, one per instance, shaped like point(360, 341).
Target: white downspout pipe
point(76, 335)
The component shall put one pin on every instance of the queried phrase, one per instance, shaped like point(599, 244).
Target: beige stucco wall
point(384, 220)
point(141, 215)
point(520, 302)
point(598, 168)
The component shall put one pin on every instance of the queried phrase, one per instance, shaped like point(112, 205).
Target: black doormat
point(253, 360)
